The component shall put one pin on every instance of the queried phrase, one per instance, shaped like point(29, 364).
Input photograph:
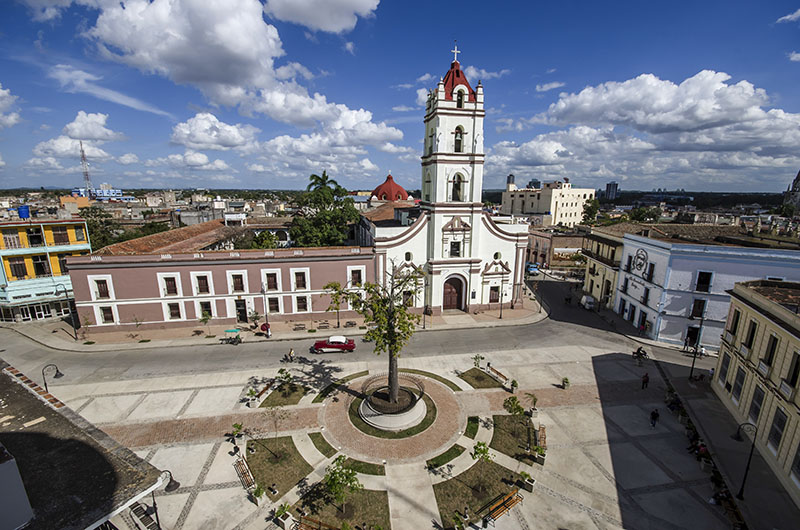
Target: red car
point(334, 344)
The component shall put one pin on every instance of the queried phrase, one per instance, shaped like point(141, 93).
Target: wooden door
point(452, 294)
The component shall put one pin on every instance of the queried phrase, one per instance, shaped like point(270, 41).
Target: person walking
point(654, 418)
point(645, 380)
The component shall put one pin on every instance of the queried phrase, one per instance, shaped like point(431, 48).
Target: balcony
point(763, 368)
point(787, 390)
point(728, 337)
point(602, 259)
point(744, 350)
point(645, 299)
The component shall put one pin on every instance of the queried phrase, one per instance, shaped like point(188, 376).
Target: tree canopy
point(326, 211)
point(590, 209)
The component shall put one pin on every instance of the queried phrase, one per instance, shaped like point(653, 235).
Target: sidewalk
point(57, 334)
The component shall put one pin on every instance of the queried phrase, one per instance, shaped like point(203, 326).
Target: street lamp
point(502, 280)
point(172, 485)
point(697, 342)
point(746, 426)
point(71, 312)
point(57, 375)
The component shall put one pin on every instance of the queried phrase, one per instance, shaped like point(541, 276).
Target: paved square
point(160, 405)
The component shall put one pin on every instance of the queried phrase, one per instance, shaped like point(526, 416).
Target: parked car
point(533, 269)
point(587, 302)
point(334, 343)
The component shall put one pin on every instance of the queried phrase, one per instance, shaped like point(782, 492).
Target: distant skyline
point(249, 94)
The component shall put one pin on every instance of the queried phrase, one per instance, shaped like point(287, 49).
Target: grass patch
point(445, 457)
point(362, 426)
point(211, 336)
point(312, 330)
point(276, 461)
point(510, 437)
point(365, 467)
point(472, 427)
point(285, 395)
point(366, 506)
point(89, 342)
point(478, 487)
point(478, 379)
point(322, 444)
point(336, 384)
point(145, 340)
point(446, 382)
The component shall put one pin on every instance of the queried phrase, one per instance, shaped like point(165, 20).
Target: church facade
point(471, 260)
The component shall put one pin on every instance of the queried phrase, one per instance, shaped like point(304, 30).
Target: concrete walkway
point(412, 503)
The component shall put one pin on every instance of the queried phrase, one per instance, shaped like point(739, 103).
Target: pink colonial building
point(167, 289)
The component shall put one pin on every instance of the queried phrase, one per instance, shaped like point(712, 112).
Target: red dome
point(390, 191)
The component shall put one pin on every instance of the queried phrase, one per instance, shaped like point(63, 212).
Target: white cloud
point(480, 74)
point(551, 70)
point(66, 147)
point(2, 162)
point(44, 10)
point(404, 108)
point(205, 131)
point(7, 119)
point(350, 48)
point(91, 127)
point(389, 147)
point(332, 16)
point(74, 80)
point(128, 159)
point(189, 160)
point(46, 163)
point(424, 78)
point(794, 56)
point(403, 86)
point(790, 17)
point(257, 168)
point(549, 86)
point(293, 70)
point(422, 96)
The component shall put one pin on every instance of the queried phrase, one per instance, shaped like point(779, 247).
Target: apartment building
point(758, 371)
point(34, 282)
point(603, 255)
point(558, 200)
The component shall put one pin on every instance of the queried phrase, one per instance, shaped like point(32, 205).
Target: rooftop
point(699, 234)
point(786, 294)
point(74, 474)
point(385, 212)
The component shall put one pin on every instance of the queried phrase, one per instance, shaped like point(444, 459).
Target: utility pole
point(87, 182)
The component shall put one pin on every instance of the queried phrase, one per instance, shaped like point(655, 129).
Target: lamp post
point(502, 280)
point(172, 485)
point(697, 342)
point(71, 312)
point(746, 426)
point(57, 375)
point(266, 307)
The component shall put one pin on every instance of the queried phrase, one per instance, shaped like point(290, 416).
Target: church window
point(497, 255)
point(455, 249)
point(460, 99)
point(459, 143)
point(409, 257)
point(458, 189)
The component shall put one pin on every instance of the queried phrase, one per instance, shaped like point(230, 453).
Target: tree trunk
point(394, 383)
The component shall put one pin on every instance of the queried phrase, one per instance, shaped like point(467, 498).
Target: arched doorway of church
point(453, 293)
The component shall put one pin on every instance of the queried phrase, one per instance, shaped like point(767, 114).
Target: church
point(792, 195)
point(471, 260)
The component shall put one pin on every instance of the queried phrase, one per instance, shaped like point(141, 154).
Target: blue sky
point(249, 94)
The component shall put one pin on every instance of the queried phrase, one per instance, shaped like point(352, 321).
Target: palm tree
point(318, 182)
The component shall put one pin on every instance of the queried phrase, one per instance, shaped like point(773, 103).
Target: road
point(567, 325)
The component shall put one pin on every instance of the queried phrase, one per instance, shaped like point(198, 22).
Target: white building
point(677, 292)
point(563, 203)
point(471, 260)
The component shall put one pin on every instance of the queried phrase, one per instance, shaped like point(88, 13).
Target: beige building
point(559, 200)
point(758, 371)
point(603, 254)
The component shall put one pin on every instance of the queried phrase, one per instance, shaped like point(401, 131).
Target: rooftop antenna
point(87, 182)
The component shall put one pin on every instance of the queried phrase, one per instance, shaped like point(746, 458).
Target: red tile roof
point(184, 239)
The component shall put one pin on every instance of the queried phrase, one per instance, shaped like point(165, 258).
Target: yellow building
point(34, 282)
point(603, 254)
point(758, 371)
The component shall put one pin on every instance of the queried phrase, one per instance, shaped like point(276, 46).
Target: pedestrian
point(291, 354)
point(641, 329)
point(686, 344)
point(645, 380)
point(654, 418)
point(711, 373)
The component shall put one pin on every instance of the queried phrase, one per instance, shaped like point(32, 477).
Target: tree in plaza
point(515, 408)
point(389, 319)
point(481, 453)
point(590, 209)
point(254, 317)
point(326, 211)
point(340, 480)
point(335, 291)
point(103, 229)
point(204, 319)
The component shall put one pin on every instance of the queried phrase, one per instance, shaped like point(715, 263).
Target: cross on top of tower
point(455, 51)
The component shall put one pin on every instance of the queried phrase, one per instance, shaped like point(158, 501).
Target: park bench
point(243, 470)
point(541, 437)
point(503, 506)
point(496, 374)
point(140, 514)
point(307, 523)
